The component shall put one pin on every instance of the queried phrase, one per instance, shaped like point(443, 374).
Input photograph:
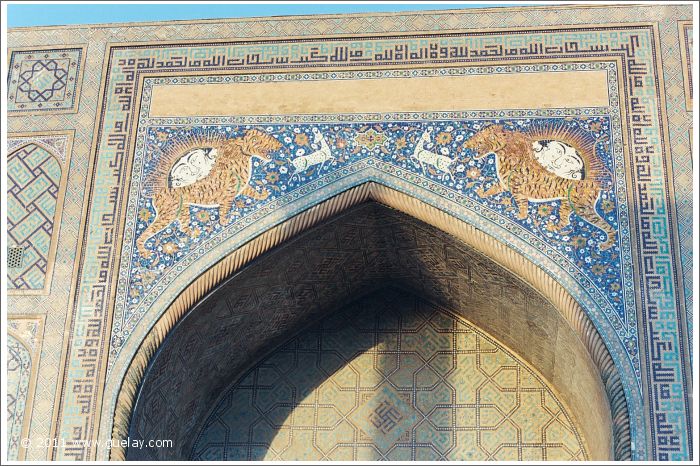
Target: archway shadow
point(389, 376)
point(283, 380)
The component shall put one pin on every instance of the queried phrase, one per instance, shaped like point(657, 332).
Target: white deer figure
point(424, 156)
point(304, 162)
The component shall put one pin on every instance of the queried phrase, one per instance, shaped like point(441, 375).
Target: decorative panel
point(23, 347)
point(45, 80)
point(36, 181)
point(685, 30)
point(582, 220)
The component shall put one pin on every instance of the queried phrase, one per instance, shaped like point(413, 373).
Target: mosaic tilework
point(685, 30)
point(363, 140)
point(679, 89)
point(33, 182)
point(45, 80)
point(71, 149)
point(23, 342)
point(175, 247)
point(397, 144)
point(19, 368)
point(550, 17)
point(57, 142)
point(390, 377)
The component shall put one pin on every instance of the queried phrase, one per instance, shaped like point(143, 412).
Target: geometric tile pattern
point(390, 377)
point(44, 80)
point(33, 176)
point(24, 340)
point(681, 77)
point(19, 369)
point(685, 29)
point(52, 301)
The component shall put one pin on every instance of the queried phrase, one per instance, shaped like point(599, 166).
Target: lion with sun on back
point(546, 163)
point(206, 171)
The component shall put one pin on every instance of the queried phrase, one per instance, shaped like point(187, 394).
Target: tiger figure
point(212, 173)
point(546, 163)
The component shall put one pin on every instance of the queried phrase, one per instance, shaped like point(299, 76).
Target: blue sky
point(86, 13)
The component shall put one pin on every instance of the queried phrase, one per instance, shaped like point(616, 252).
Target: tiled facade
point(616, 232)
point(18, 371)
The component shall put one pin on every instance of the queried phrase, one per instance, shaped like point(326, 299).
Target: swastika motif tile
point(390, 377)
point(45, 80)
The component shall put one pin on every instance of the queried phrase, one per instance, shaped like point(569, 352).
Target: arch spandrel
point(365, 191)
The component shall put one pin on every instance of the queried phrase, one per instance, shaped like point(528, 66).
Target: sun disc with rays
point(567, 152)
point(185, 161)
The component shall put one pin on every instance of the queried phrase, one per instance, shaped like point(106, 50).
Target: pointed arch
point(41, 146)
point(624, 400)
